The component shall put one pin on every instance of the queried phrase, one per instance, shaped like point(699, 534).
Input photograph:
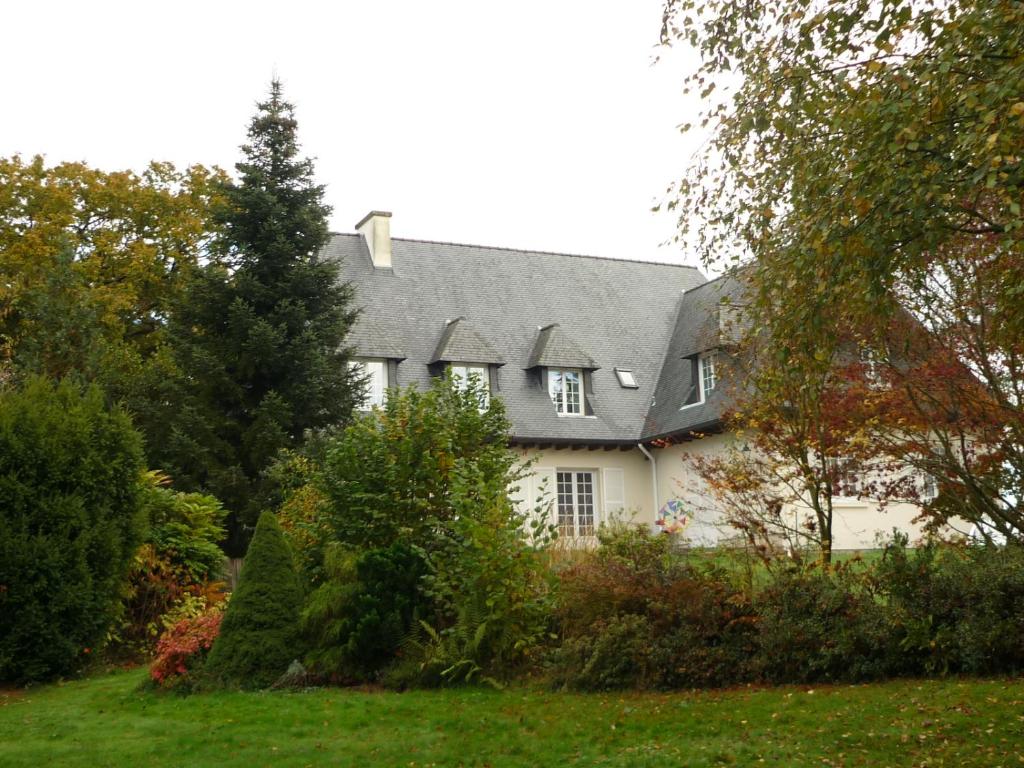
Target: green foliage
point(70, 520)
point(260, 331)
point(823, 624)
point(174, 575)
point(678, 623)
point(430, 472)
point(864, 161)
point(363, 612)
point(956, 609)
point(405, 471)
point(259, 636)
point(681, 623)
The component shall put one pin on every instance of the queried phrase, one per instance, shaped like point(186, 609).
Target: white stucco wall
point(637, 487)
point(857, 523)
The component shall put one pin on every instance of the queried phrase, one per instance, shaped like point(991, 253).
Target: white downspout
point(654, 476)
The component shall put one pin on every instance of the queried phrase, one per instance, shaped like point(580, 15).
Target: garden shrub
point(431, 471)
point(822, 624)
point(679, 623)
point(956, 608)
point(70, 521)
point(183, 647)
point(259, 635)
point(614, 653)
point(360, 616)
point(174, 575)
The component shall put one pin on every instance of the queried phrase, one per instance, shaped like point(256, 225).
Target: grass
point(106, 721)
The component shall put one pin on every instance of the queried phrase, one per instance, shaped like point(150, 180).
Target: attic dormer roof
point(373, 340)
point(460, 342)
point(555, 349)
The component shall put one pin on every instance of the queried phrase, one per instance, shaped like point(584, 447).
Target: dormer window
point(375, 372)
point(565, 386)
point(703, 378)
point(477, 374)
point(708, 377)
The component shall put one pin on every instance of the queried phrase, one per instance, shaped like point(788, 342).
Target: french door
point(575, 503)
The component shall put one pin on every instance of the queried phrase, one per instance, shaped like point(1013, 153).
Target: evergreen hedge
point(259, 635)
point(70, 520)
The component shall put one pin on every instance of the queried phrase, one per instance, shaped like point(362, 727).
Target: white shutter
point(543, 493)
point(614, 492)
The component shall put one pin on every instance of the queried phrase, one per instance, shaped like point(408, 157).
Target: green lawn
point(105, 721)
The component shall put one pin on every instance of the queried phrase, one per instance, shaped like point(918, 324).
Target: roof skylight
point(626, 378)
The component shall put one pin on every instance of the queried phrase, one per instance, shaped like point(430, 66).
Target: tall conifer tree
point(260, 335)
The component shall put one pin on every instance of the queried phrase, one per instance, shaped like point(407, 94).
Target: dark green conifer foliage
point(70, 520)
point(261, 332)
point(259, 635)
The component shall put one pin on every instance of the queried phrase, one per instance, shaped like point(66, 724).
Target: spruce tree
point(259, 634)
point(260, 333)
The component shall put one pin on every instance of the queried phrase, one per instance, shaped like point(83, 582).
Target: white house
point(608, 368)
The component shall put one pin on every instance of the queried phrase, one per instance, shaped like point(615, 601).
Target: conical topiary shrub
point(259, 635)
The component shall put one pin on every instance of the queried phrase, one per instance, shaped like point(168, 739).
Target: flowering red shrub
point(183, 645)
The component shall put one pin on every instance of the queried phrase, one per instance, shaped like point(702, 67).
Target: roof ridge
point(708, 282)
point(530, 250)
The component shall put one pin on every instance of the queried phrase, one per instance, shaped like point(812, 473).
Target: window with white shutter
point(614, 491)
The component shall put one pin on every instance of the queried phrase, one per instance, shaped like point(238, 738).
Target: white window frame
point(847, 479)
point(928, 487)
point(576, 507)
point(871, 365)
point(626, 377)
point(462, 373)
point(702, 389)
point(377, 386)
point(708, 373)
point(565, 403)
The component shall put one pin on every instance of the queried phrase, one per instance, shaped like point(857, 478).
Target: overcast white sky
point(532, 124)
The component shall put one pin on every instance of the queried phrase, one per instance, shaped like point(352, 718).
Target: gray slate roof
point(460, 343)
point(554, 349)
point(621, 313)
point(698, 328)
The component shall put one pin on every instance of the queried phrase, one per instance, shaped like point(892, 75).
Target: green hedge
point(70, 519)
point(633, 615)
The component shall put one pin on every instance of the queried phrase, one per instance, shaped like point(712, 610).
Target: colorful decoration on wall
point(672, 517)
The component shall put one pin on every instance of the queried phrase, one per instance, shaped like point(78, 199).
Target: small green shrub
point(259, 636)
point(615, 653)
point(70, 520)
point(174, 574)
point(359, 617)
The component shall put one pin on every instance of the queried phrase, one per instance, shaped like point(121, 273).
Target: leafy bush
point(183, 647)
point(956, 608)
point(677, 623)
point(70, 520)
point(360, 616)
point(259, 635)
point(392, 474)
point(822, 625)
point(173, 575)
point(430, 473)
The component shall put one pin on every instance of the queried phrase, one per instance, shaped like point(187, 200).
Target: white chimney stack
point(375, 228)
